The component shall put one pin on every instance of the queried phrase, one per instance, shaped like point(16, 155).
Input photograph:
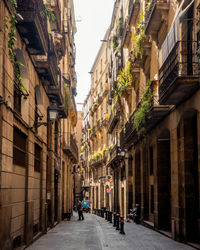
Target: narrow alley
point(95, 233)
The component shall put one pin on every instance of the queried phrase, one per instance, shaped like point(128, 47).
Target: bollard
point(122, 225)
point(117, 221)
point(110, 217)
point(106, 214)
point(114, 219)
point(102, 213)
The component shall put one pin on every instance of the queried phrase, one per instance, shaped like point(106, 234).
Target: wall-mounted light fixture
point(53, 111)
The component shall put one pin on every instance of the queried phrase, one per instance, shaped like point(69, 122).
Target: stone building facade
point(77, 169)
point(95, 138)
point(37, 152)
point(154, 124)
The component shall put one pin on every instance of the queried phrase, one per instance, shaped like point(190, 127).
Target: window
point(17, 91)
point(17, 99)
point(96, 75)
point(37, 158)
point(123, 172)
point(19, 148)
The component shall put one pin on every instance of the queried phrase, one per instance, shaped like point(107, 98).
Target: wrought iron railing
point(181, 62)
point(69, 143)
point(150, 11)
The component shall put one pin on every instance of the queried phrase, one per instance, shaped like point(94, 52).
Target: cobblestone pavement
point(95, 233)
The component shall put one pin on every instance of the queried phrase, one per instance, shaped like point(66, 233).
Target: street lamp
point(53, 111)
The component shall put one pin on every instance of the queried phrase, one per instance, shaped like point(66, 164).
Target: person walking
point(80, 211)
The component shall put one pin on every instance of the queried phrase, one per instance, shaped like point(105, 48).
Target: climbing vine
point(114, 44)
point(139, 37)
point(12, 20)
point(66, 101)
point(142, 115)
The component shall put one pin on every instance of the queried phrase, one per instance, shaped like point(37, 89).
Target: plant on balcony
point(124, 82)
point(104, 151)
point(142, 115)
point(119, 25)
point(49, 14)
point(139, 43)
point(124, 79)
point(106, 116)
point(123, 127)
point(82, 148)
point(66, 100)
point(12, 20)
point(94, 107)
point(119, 22)
point(139, 36)
point(114, 44)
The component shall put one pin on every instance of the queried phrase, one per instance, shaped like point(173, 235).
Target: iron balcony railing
point(69, 144)
point(181, 62)
point(33, 26)
point(150, 11)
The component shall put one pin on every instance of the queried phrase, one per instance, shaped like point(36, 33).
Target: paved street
point(95, 233)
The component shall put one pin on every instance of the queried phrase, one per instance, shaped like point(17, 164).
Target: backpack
point(79, 206)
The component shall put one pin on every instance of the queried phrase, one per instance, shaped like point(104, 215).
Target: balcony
point(114, 118)
point(127, 134)
point(85, 184)
point(54, 5)
point(104, 122)
point(95, 106)
point(179, 74)
point(97, 162)
point(47, 68)
point(146, 52)
point(60, 45)
point(93, 132)
point(115, 156)
point(100, 99)
point(133, 10)
point(106, 89)
point(70, 147)
point(98, 124)
point(33, 27)
point(156, 15)
point(157, 113)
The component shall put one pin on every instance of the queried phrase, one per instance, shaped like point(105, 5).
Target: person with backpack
point(80, 211)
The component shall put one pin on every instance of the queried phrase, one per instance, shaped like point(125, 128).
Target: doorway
point(164, 181)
